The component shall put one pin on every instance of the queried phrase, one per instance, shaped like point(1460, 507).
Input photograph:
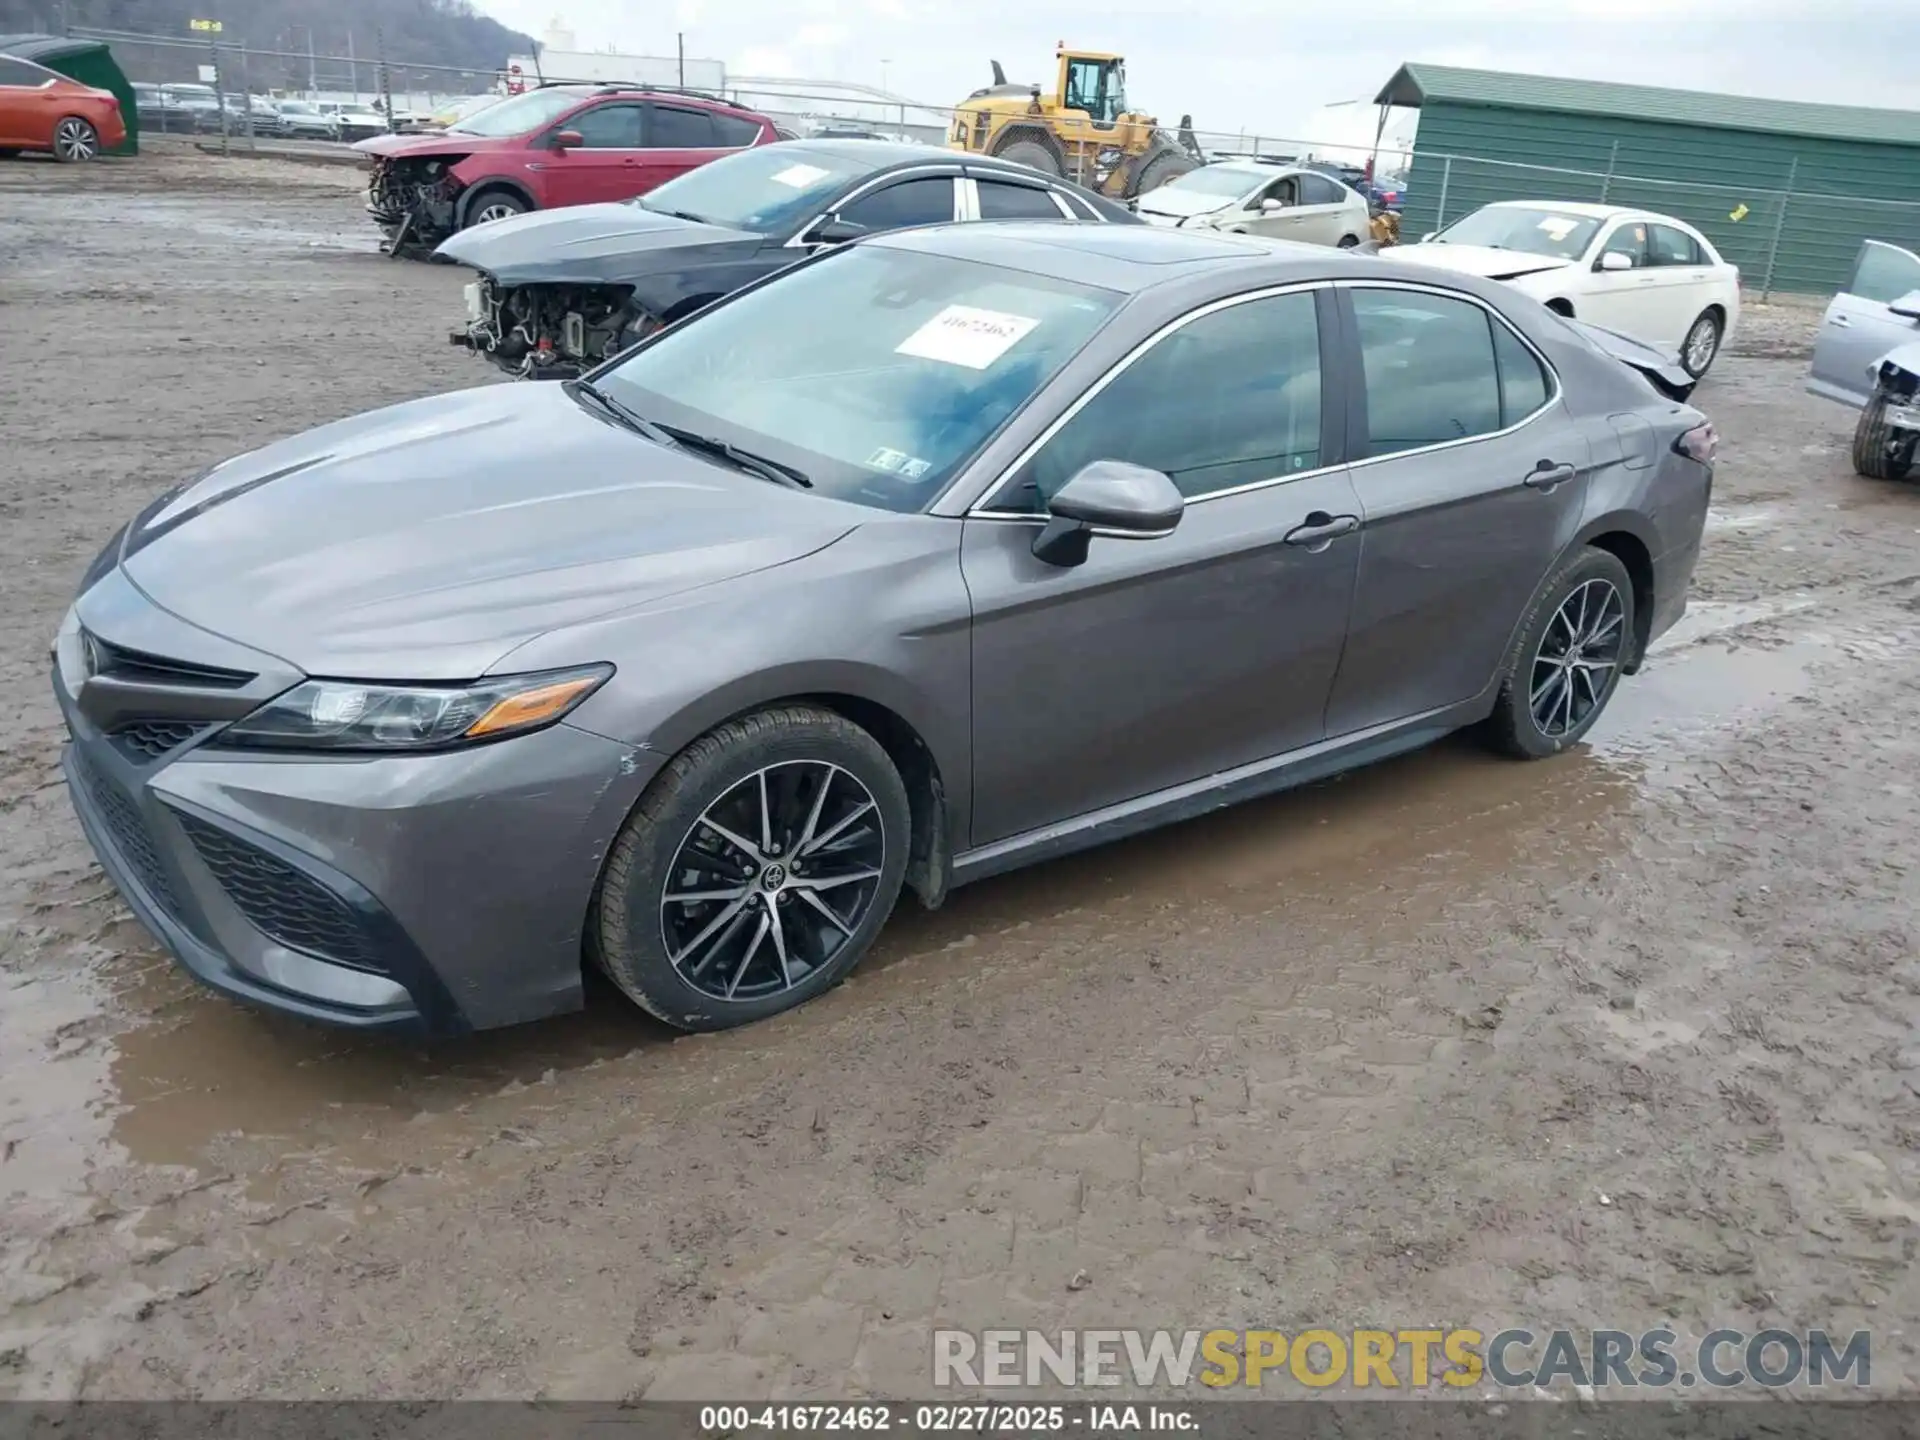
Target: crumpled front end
point(551, 332)
point(414, 199)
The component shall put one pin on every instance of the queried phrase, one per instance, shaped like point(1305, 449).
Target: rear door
point(1007, 199)
point(1674, 287)
point(1858, 328)
point(1321, 215)
point(606, 165)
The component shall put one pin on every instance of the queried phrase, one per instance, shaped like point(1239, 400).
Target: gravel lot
point(1618, 1039)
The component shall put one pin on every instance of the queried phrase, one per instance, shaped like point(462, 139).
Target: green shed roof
point(1415, 85)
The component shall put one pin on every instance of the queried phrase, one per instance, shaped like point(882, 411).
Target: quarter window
point(676, 129)
point(1668, 246)
point(1229, 399)
point(608, 127)
point(1001, 201)
point(1430, 370)
point(1524, 386)
point(926, 201)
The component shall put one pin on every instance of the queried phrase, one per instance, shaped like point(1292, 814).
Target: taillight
point(1390, 197)
point(1700, 444)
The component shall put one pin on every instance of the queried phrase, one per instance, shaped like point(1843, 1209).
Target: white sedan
point(1649, 276)
point(1248, 197)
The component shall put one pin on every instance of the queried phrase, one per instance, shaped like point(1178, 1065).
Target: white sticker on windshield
point(800, 176)
point(963, 335)
point(1558, 227)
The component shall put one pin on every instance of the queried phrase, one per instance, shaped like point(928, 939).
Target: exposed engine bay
point(551, 332)
point(414, 199)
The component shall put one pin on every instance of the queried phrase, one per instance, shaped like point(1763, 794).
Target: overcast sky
point(1262, 65)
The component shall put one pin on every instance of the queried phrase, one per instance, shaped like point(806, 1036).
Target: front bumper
point(431, 894)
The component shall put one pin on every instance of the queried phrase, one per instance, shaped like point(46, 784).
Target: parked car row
point(1867, 354)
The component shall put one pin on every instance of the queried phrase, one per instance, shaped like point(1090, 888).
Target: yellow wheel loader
point(1082, 131)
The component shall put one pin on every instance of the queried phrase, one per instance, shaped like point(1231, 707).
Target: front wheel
point(1348, 242)
point(1567, 660)
point(1880, 452)
point(495, 205)
point(74, 140)
point(755, 871)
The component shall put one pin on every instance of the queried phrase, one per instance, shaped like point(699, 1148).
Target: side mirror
point(1113, 497)
point(1271, 206)
point(569, 140)
point(1907, 307)
point(834, 231)
point(1428, 236)
point(1614, 260)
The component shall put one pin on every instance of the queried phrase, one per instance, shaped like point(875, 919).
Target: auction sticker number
point(799, 176)
point(965, 335)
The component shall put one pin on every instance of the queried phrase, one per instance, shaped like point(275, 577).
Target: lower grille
point(128, 833)
point(280, 902)
point(145, 740)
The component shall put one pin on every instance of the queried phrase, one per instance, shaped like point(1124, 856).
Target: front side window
point(1629, 240)
point(1668, 246)
point(1430, 371)
point(1001, 201)
point(1231, 398)
point(608, 127)
point(1885, 273)
point(926, 201)
point(677, 129)
point(893, 367)
point(1286, 190)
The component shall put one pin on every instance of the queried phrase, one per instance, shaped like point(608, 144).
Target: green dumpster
point(90, 62)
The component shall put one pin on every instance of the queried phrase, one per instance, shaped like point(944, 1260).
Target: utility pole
point(313, 68)
point(382, 77)
point(353, 70)
point(680, 40)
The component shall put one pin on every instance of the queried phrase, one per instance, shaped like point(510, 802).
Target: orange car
point(42, 110)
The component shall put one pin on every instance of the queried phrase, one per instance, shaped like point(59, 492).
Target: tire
point(494, 204)
point(716, 780)
point(1348, 242)
point(1877, 452)
point(1167, 165)
point(1033, 155)
point(8, 153)
point(75, 140)
point(1702, 344)
point(1598, 580)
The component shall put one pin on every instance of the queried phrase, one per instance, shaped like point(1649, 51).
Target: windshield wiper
point(754, 464)
point(620, 413)
point(676, 214)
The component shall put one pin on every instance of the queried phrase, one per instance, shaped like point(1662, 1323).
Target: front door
point(1458, 491)
point(1158, 662)
point(1858, 328)
point(606, 164)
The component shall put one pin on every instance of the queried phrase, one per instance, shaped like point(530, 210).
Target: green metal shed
point(1786, 190)
point(90, 62)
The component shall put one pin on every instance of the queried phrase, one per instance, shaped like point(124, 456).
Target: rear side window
point(1668, 246)
point(677, 129)
point(1319, 190)
point(1430, 370)
point(18, 72)
point(926, 201)
point(735, 132)
point(1001, 201)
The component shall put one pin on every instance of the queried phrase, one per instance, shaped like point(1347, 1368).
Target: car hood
point(396, 147)
point(428, 540)
point(1481, 260)
point(1172, 200)
point(583, 244)
point(1662, 369)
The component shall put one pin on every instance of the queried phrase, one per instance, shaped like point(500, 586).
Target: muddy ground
point(1622, 1038)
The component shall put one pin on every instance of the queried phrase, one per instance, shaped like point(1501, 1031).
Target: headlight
point(341, 715)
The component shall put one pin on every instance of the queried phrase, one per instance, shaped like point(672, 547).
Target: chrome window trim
point(1554, 389)
point(977, 511)
point(1554, 393)
point(918, 172)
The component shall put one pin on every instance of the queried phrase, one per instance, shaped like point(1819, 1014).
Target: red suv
point(557, 145)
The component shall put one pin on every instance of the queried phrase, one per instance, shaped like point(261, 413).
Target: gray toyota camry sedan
point(943, 553)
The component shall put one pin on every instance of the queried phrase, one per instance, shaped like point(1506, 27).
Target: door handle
point(1320, 530)
point(1546, 475)
point(1844, 322)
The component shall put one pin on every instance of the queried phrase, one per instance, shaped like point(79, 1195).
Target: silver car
point(941, 553)
point(1248, 197)
point(1867, 354)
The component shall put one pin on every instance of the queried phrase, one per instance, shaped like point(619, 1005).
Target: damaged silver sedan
point(1867, 354)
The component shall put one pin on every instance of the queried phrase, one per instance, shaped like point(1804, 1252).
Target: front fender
point(1898, 371)
point(665, 291)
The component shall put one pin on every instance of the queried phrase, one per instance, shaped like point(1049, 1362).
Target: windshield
point(768, 189)
point(520, 114)
point(1227, 181)
point(890, 368)
point(1529, 229)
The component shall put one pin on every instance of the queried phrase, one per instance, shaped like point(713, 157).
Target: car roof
point(1122, 258)
point(610, 89)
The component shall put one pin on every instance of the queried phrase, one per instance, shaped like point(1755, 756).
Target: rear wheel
point(75, 139)
point(1702, 344)
point(1167, 165)
point(1567, 659)
point(1033, 155)
point(756, 870)
point(1881, 452)
point(491, 205)
point(1347, 242)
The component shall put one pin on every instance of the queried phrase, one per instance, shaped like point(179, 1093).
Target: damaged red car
point(554, 146)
